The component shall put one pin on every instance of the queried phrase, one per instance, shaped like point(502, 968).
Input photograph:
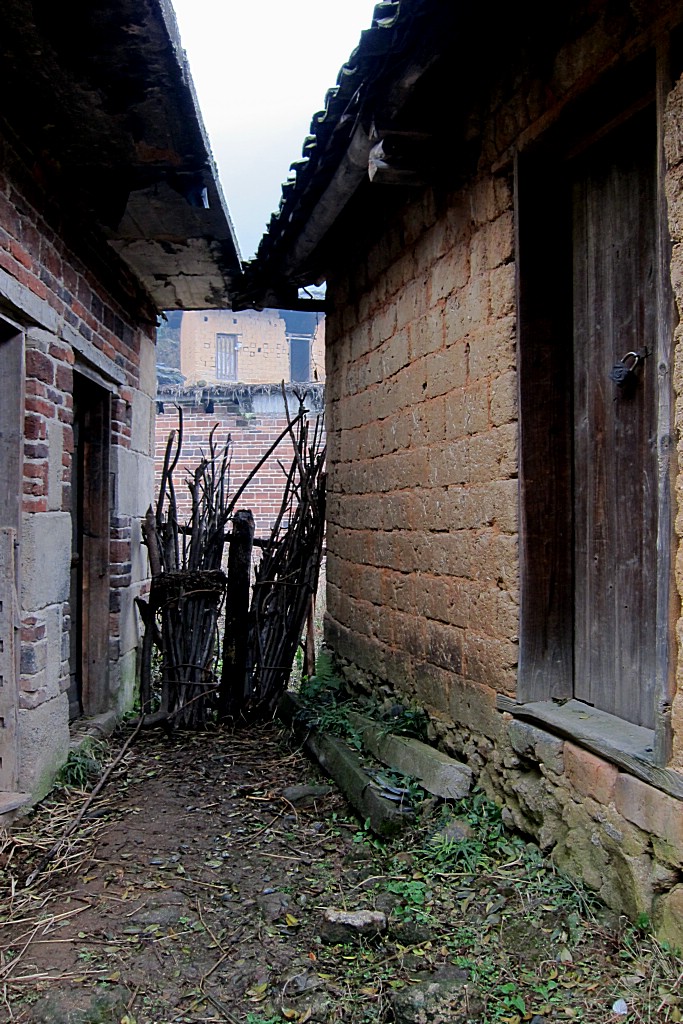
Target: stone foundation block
point(651, 810)
point(531, 742)
point(668, 917)
point(590, 775)
point(43, 734)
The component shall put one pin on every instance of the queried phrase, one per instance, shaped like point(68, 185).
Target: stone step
point(343, 765)
point(13, 801)
point(436, 772)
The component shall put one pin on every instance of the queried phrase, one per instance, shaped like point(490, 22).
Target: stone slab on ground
point(344, 766)
point(12, 802)
point(436, 772)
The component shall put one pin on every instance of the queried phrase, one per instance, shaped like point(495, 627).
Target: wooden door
point(615, 429)
point(89, 600)
point(11, 476)
point(226, 356)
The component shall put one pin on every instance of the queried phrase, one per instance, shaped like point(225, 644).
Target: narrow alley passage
point(202, 888)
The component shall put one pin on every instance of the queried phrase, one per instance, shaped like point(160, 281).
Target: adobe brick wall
point(264, 353)
point(423, 571)
point(422, 424)
point(71, 318)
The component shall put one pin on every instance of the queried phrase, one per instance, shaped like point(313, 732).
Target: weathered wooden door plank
point(9, 624)
point(615, 429)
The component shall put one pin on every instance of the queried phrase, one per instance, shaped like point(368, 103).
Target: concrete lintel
point(24, 305)
point(93, 358)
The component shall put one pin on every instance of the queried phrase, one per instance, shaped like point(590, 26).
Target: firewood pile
point(287, 580)
point(239, 676)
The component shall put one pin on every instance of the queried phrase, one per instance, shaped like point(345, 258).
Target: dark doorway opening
point(300, 358)
point(89, 597)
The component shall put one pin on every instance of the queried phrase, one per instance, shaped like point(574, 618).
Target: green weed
point(84, 765)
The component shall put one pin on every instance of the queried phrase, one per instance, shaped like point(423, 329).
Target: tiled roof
point(103, 109)
point(381, 50)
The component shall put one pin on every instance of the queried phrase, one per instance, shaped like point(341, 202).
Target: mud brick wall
point(73, 319)
point(422, 548)
point(422, 561)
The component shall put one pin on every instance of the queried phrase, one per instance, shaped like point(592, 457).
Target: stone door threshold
point(630, 747)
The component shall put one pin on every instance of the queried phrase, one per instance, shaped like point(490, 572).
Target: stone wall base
point(43, 735)
point(620, 837)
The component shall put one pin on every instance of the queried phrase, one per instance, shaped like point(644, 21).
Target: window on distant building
point(226, 356)
point(300, 357)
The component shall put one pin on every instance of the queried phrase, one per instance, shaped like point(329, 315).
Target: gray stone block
point(55, 639)
point(46, 559)
point(142, 423)
point(438, 773)
point(343, 765)
point(531, 742)
point(43, 743)
point(55, 469)
point(148, 367)
point(134, 475)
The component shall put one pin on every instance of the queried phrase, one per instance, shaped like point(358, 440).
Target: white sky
point(261, 69)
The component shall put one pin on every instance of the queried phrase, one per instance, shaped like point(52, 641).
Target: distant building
point(231, 369)
point(219, 347)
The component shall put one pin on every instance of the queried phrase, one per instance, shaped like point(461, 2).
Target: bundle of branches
point(286, 581)
point(187, 584)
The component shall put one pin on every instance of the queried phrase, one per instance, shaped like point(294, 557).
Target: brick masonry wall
point(423, 504)
point(422, 409)
point(73, 311)
point(251, 439)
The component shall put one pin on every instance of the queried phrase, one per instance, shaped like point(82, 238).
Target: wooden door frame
point(94, 571)
point(12, 353)
point(546, 529)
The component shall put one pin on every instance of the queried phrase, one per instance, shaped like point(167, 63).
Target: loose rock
point(345, 926)
point(445, 997)
point(304, 796)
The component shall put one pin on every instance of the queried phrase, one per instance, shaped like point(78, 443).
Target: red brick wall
point(73, 308)
point(251, 439)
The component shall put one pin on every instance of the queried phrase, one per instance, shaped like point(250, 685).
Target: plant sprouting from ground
point(84, 765)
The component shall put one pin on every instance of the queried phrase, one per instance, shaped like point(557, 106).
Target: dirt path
point(177, 909)
point(196, 890)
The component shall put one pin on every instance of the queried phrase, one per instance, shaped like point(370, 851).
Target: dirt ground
point(175, 909)
point(195, 890)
